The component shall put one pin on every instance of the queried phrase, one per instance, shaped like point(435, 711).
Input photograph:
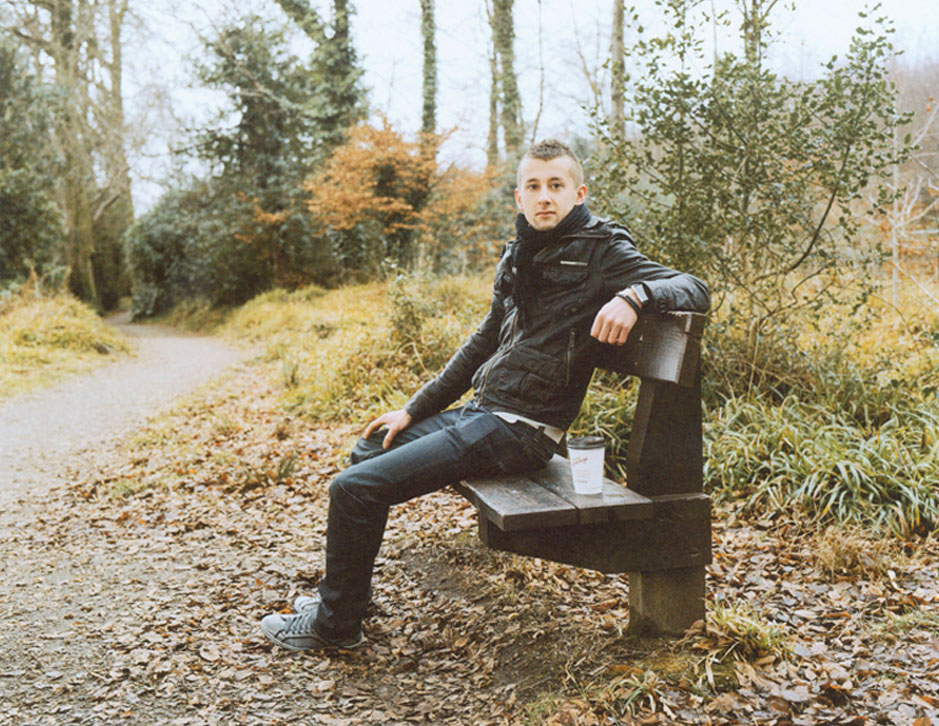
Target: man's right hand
point(395, 421)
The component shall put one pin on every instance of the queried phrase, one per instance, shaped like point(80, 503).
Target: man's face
point(547, 191)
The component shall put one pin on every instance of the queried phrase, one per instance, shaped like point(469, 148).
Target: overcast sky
point(573, 42)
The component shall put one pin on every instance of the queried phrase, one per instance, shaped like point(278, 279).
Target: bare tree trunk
point(534, 125)
point(85, 49)
point(895, 242)
point(77, 178)
point(503, 33)
point(492, 141)
point(428, 29)
point(617, 72)
point(341, 104)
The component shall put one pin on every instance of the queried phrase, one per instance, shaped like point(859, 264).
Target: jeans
point(426, 456)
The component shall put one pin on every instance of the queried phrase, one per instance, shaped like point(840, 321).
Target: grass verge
point(45, 338)
point(842, 428)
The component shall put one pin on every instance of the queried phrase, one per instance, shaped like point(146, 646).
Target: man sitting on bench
point(568, 283)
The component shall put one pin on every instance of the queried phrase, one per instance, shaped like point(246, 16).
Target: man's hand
point(395, 421)
point(614, 321)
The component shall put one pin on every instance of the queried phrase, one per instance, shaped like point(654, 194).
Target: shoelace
point(298, 624)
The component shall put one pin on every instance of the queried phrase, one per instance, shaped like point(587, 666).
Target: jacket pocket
point(564, 286)
point(565, 273)
point(535, 377)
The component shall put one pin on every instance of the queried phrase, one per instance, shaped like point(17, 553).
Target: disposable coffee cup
point(586, 456)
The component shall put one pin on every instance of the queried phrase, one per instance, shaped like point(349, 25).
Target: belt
point(552, 432)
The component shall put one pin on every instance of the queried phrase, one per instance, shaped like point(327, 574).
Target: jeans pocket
point(541, 449)
point(491, 447)
point(537, 446)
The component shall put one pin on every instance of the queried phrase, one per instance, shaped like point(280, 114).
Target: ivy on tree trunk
point(81, 41)
point(429, 106)
point(617, 71)
point(503, 36)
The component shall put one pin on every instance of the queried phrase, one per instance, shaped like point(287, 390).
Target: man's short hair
point(548, 149)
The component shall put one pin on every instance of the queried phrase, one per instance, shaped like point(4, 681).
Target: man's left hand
point(613, 322)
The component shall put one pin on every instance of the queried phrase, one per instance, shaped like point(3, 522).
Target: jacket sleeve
point(624, 266)
point(457, 376)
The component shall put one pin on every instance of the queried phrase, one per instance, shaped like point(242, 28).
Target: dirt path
point(134, 577)
point(47, 432)
point(49, 438)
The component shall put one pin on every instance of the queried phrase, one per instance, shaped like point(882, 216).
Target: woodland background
point(298, 219)
point(810, 207)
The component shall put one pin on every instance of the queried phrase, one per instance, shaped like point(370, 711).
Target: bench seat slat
point(513, 503)
point(614, 503)
point(546, 498)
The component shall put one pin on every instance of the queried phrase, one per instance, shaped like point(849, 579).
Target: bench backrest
point(664, 454)
point(663, 347)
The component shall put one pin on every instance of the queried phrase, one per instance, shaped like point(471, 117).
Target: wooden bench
point(659, 529)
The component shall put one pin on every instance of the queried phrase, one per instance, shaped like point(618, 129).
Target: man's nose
point(543, 195)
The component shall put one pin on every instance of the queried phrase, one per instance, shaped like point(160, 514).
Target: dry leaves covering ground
point(134, 594)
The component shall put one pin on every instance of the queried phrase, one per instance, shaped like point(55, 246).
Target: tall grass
point(845, 424)
point(608, 411)
point(361, 350)
point(838, 422)
point(813, 460)
point(46, 336)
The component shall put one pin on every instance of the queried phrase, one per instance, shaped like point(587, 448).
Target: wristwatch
point(637, 300)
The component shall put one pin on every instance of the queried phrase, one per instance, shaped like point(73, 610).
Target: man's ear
point(518, 199)
point(581, 194)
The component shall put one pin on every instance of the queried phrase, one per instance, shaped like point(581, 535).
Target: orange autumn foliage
point(378, 176)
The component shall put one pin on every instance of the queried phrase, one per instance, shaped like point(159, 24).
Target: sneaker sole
point(320, 643)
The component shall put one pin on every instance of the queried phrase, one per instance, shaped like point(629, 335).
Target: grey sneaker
point(302, 603)
point(296, 632)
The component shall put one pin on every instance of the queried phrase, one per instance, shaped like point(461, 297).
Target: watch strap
point(624, 295)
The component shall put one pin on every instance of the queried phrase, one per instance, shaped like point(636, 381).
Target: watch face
point(641, 294)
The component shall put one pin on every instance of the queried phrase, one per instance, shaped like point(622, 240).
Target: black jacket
point(542, 369)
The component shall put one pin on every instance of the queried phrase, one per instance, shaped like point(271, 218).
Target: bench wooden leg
point(665, 602)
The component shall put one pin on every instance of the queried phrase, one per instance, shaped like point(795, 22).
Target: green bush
point(806, 458)
point(245, 228)
point(31, 229)
point(755, 182)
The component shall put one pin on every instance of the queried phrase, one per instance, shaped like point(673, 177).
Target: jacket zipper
point(493, 361)
point(570, 357)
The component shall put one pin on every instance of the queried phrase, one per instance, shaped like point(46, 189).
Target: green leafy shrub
point(806, 458)
point(31, 229)
point(756, 182)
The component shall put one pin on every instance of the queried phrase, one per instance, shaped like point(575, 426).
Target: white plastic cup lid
point(585, 442)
